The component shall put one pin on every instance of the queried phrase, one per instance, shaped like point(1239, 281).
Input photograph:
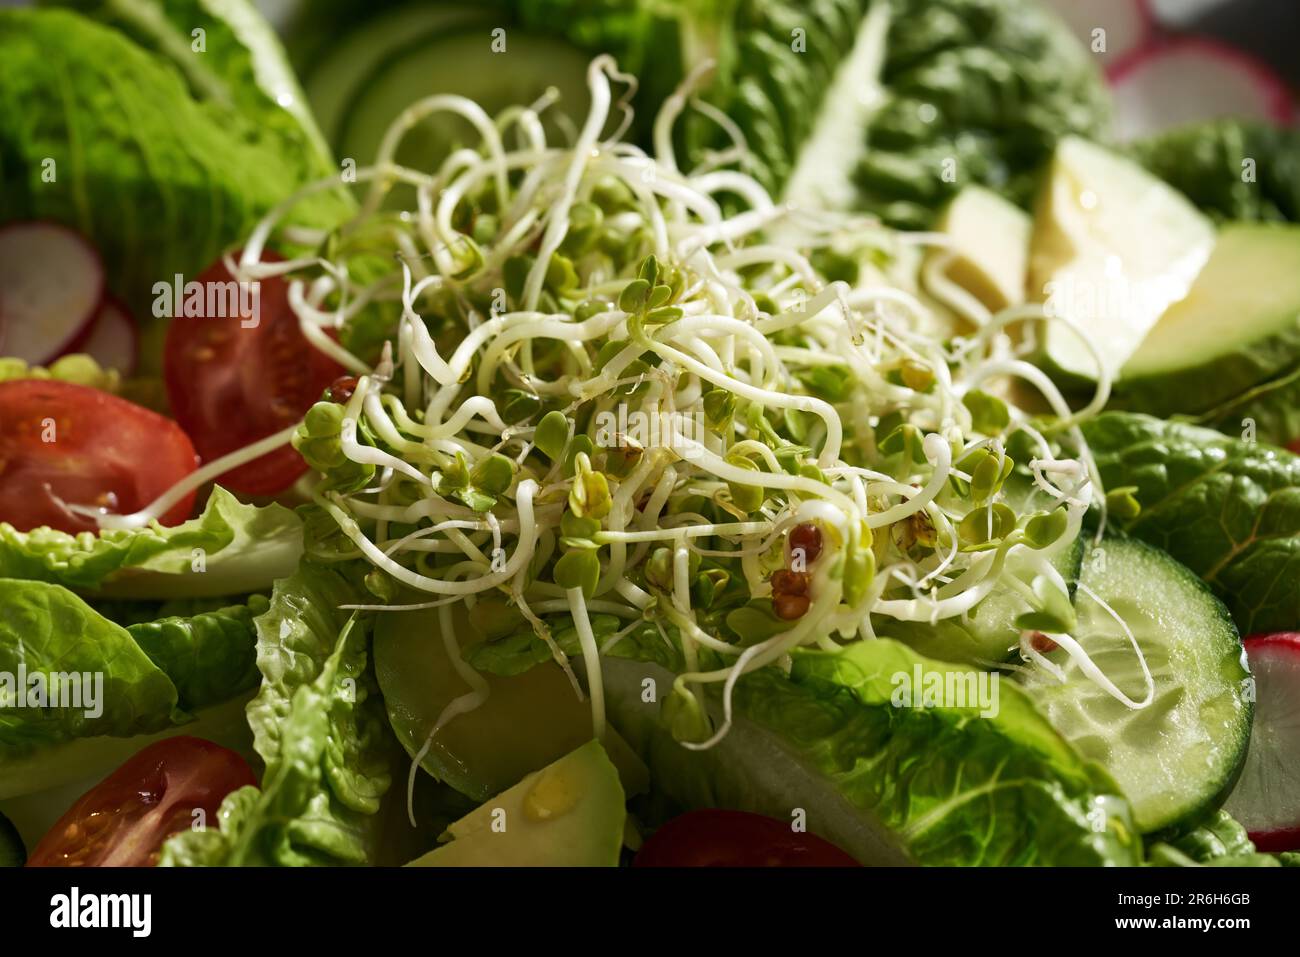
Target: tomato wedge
point(64, 444)
point(234, 379)
point(716, 838)
point(124, 820)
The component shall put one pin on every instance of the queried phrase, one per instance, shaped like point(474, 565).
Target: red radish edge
point(1277, 96)
point(84, 321)
point(102, 339)
point(1285, 838)
point(1148, 26)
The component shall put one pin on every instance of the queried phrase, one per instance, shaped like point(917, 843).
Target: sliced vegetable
point(568, 814)
point(68, 445)
point(1194, 362)
point(1267, 798)
point(352, 60)
point(1161, 699)
point(459, 62)
point(111, 339)
point(494, 742)
point(1112, 248)
point(989, 247)
point(1111, 30)
point(714, 838)
point(1191, 79)
point(242, 374)
point(162, 176)
point(51, 285)
point(172, 786)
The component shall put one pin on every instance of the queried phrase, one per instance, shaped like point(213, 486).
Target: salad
point(575, 433)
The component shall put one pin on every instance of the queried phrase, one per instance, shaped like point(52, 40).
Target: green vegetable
point(230, 548)
point(318, 724)
point(110, 686)
point(568, 814)
point(79, 369)
point(210, 657)
point(1194, 363)
point(319, 441)
point(829, 741)
point(1218, 836)
point(1233, 170)
point(242, 66)
point(988, 86)
point(145, 678)
point(158, 180)
point(1178, 756)
point(1228, 510)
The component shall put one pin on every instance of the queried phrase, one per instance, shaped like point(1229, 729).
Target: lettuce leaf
point(45, 628)
point(242, 68)
point(107, 138)
point(319, 724)
point(1227, 509)
point(1204, 161)
point(145, 679)
point(231, 548)
point(209, 656)
point(891, 785)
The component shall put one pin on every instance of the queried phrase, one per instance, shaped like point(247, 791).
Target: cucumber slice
point(12, 851)
point(334, 83)
point(461, 63)
point(1177, 758)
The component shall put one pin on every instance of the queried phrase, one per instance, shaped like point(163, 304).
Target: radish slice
point(1128, 25)
point(111, 340)
point(1194, 79)
point(1267, 797)
point(51, 285)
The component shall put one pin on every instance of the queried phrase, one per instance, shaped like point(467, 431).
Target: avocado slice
point(569, 814)
point(528, 720)
point(1112, 248)
point(990, 246)
point(1236, 332)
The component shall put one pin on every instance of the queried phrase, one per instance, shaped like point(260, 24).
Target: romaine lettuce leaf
point(118, 690)
point(1207, 161)
point(891, 785)
point(106, 137)
point(319, 724)
point(138, 680)
point(231, 548)
point(1227, 509)
point(210, 656)
point(242, 67)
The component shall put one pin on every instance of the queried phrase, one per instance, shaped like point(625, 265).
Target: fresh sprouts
point(784, 362)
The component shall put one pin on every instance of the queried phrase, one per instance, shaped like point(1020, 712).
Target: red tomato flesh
point(63, 443)
point(124, 820)
point(231, 382)
point(716, 838)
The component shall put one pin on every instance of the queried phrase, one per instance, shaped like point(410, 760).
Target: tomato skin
point(85, 447)
point(230, 384)
point(718, 838)
point(124, 820)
